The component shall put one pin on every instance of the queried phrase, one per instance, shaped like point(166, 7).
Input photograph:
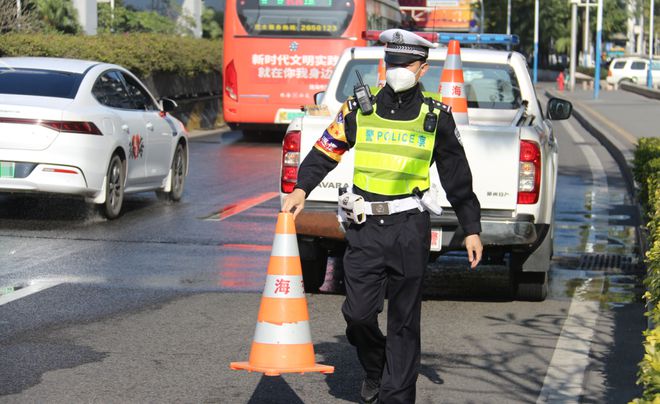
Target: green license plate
point(7, 169)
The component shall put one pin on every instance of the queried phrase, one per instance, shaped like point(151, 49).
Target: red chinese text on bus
point(279, 53)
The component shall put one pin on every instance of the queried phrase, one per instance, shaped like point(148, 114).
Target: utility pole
point(649, 74)
point(585, 40)
point(508, 21)
point(599, 36)
point(571, 72)
point(536, 40)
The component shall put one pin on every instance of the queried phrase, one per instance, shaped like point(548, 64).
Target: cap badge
point(397, 38)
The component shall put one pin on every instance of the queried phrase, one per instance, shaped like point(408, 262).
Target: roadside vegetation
point(647, 174)
point(145, 42)
point(142, 53)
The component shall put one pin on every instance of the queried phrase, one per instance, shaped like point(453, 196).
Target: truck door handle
point(150, 126)
point(124, 128)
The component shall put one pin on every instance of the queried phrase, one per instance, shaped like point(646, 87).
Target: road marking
point(565, 376)
point(37, 286)
point(238, 207)
point(627, 135)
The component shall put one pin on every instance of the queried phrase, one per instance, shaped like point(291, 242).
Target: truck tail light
point(529, 173)
point(231, 81)
point(290, 160)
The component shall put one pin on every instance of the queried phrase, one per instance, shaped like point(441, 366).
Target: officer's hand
point(474, 249)
point(294, 202)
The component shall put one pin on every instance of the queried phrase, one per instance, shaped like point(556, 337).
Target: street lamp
point(481, 23)
point(649, 74)
point(599, 37)
point(536, 40)
point(571, 74)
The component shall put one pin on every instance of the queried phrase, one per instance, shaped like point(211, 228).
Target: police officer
point(387, 254)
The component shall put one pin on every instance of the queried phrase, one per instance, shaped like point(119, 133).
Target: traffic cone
point(381, 73)
point(282, 340)
point(451, 84)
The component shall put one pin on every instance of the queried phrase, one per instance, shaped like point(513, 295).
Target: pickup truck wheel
point(314, 261)
point(532, 286)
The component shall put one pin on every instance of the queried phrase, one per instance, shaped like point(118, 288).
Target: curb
point(609, 145)
point(626, 171)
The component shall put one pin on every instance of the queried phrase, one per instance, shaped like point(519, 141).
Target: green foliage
point(212, 23)
point(58, 15)
point(646, 166)
point(126, 20)
point(141, 53)
point(554, 23)
point(646, 169)
point(591, 71)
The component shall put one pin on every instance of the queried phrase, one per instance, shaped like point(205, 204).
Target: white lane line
point(565, 376)
point(36, 287)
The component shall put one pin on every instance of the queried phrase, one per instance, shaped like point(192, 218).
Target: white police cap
point(403, 47)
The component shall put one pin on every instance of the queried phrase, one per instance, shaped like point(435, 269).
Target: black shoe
point(369, 391)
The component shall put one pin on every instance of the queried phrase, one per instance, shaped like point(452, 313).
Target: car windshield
point(492, 86)
point(43, 83)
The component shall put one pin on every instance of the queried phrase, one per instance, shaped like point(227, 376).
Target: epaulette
point(437, 104)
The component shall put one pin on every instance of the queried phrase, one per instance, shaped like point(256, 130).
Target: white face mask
point(400, 78)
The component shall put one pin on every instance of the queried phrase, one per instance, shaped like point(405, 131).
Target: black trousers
point(387, 254)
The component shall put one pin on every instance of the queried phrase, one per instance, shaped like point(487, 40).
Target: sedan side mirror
point(559, 109)
point(168, 105)
point(318, 97)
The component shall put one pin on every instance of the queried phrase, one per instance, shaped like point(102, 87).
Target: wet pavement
point(149, 307)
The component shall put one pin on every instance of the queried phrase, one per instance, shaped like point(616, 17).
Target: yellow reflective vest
point(393, 157)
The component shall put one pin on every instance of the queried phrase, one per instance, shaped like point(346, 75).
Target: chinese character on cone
point(451, 84)
point(282, 340)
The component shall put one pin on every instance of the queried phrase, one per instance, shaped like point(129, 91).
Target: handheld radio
point(363, 96)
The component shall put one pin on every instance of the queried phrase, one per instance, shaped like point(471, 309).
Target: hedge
point(647, 173)
point(141, 53)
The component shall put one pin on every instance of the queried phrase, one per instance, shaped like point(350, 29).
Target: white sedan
point(86, 128)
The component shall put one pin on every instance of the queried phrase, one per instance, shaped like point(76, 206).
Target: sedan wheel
point(179, 162)
point(114, 186)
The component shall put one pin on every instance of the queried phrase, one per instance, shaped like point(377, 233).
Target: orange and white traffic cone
point(452, 84)
point(282, 340)
point(381, 73)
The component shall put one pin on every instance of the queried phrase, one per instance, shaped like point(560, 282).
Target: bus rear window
point(43, 83)
point(490, 86)
point(317, 18)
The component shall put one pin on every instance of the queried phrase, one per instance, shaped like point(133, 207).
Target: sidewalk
point(618, 119)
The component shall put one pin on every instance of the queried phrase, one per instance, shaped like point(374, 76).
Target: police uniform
point(387, 255)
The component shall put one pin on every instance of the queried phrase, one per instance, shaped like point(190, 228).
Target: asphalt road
point(153, 307)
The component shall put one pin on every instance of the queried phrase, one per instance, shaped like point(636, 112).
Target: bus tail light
point(529, 173)
point(290, 160)
point(231, 81)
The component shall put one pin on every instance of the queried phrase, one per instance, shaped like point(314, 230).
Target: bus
point(440, 15)
point(279, 53)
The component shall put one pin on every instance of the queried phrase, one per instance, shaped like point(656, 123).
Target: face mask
point(400, 78)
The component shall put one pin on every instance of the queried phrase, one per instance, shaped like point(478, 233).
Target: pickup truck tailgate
point(493, 155)
point(495, 181)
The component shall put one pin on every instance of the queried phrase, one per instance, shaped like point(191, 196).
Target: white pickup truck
point(509, 144)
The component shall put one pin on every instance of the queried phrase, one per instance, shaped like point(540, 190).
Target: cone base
point(273, 371)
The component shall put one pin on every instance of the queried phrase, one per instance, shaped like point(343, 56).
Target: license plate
point(436, 239)
point(7, 169)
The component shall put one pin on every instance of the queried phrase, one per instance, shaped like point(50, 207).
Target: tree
point(10, 20)
point(212, 23)
point(554, 23)
point(129, 20)
point(58, 15)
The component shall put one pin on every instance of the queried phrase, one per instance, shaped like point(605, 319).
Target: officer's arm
point(455, 174)
point(327, 151)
